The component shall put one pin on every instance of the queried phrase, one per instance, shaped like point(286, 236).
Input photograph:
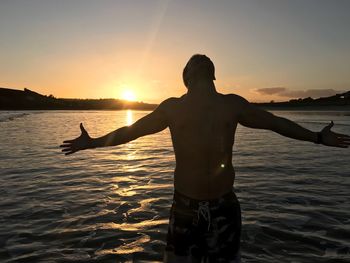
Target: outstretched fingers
point(65, 145)
point(342, 135)
point(67, 149)
point(72, 146)
point(344, 141)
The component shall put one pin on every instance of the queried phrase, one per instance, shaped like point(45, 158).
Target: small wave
point(10, 116)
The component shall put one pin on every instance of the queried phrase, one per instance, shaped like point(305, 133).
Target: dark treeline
point(11, 99)
point(342, 99)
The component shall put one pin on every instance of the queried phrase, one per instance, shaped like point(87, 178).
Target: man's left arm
point(254, 117)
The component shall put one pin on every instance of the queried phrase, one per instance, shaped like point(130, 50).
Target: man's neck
point(202, 89)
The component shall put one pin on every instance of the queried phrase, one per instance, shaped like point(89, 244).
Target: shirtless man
point(205, 219)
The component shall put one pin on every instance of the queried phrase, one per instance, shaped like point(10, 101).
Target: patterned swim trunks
point(204, 231)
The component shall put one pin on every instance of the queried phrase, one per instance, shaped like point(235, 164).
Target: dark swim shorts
point(204, 230)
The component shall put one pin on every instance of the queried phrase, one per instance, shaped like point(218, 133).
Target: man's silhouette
point(205, 220)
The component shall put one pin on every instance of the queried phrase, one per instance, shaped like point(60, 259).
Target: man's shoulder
point(234, 99)
point(169, 103)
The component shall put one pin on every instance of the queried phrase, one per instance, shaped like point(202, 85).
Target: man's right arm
point(154, 122)
point(151, 123)
point(254, 117)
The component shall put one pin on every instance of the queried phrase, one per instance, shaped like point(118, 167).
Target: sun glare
point(128, 95)
point(129, 117)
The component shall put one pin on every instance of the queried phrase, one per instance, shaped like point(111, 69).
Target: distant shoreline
point(268, 108)
point(20, 100)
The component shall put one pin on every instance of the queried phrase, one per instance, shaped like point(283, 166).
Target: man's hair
point(199, 66)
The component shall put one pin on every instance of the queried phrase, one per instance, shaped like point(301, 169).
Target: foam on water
point(11, 115)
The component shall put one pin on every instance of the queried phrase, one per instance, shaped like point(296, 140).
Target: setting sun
point(128, 95)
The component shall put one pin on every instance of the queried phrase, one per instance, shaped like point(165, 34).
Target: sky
point(263, 50)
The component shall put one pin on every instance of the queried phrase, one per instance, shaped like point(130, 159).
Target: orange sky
point(92, 49)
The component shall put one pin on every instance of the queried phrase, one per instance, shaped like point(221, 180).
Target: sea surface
point(112, 204)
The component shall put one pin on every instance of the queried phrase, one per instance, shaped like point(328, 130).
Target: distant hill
point(336, 101)
point(11, 99)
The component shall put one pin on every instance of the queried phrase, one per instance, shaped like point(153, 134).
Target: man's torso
point(202, 132)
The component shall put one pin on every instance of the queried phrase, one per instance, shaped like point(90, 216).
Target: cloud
point(271, 91)
point(313, 93)
point(288, 93)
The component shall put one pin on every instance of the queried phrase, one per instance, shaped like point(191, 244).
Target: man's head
point(199, 67)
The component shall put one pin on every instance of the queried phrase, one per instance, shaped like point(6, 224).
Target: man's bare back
point(202, 131)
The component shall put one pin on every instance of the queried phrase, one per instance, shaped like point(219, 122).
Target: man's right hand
point(81, 143)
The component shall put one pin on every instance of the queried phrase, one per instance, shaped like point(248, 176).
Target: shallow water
point(112, 205)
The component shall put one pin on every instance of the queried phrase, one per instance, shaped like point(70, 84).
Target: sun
point(128, 95)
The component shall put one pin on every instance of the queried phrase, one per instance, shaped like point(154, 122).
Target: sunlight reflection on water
point(129, 117)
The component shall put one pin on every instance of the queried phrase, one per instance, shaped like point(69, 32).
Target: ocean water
point(112, 204)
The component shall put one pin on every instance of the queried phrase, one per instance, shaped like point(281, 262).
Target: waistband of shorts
point(194, 203)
